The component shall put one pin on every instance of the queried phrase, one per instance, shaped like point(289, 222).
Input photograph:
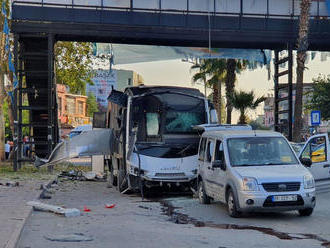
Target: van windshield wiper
point(277, 163)
point(248, 164)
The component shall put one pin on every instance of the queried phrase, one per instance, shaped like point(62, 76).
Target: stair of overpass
point(36, 97)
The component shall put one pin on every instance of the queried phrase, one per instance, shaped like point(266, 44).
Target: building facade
point(284, 105)
point(72, 109)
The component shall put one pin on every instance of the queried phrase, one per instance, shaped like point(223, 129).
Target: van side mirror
point(306, 162)
point(218, 164)
point(213, 116)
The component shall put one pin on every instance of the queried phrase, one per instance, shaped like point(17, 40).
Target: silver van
point(253, 171)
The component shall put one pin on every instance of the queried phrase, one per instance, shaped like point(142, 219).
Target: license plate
point(282, 198)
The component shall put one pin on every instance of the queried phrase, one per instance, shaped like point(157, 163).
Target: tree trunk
point(242, 117)
point(10, 115)
point(230, 86)
point(216, 98)
point(2, 119)
point(301, 57)
point(219, 101)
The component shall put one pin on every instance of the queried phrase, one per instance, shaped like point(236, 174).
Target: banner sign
point(103, 81)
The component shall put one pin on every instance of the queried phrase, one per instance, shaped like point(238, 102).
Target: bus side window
point(202, 149)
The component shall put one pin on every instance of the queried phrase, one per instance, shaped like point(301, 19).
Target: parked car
point(79, 129)
point(253, 171)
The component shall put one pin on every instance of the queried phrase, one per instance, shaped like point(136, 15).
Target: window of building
point(80, 107)
point(71, 105)
point(60, 104)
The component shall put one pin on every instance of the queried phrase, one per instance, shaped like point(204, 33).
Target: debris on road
point(67, 212)
point(76, 237)
point(10, 184)
point(90, 175)
point(45, 195)
point(82, 176)
point(110, 205)
point(144, 207)
point(86, 209)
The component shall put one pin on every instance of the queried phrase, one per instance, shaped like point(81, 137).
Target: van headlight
point(309, 182)
point(249, 184)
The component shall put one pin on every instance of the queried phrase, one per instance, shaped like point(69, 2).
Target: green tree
point(74, 65)
point(301, 58)
point(223, 108)
point(233, 67)
point(91, 105)
point(201, 75)
point(3, 72)
point(242, 101)
point(320, 99)
point(212, 72)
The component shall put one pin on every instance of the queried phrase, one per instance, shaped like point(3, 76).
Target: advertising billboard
point(104, 81)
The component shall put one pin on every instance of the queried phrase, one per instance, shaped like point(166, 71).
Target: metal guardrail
point(105, 5)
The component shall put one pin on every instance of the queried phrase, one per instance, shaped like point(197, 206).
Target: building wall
point(269, 106)
point(71, 108)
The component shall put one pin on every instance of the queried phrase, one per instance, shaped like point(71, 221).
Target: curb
point(15, 236)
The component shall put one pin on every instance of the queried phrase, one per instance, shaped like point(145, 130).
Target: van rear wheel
point(232, 205)
point(202, 196)
point(306, 211)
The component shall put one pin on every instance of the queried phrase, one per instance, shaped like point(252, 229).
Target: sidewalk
point(14, 211)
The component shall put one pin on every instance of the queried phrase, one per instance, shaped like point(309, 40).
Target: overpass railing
point(278, 9)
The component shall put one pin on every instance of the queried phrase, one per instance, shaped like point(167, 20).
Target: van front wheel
point(232, 205)
point(202, 196)
point(306, 212)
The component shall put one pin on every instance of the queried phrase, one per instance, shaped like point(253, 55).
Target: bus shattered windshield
point(259, 151)
point(164, 123)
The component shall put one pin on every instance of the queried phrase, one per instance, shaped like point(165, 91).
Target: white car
point(80, 129)
point(253, 171)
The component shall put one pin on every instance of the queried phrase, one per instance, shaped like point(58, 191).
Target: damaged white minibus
point(154, 141)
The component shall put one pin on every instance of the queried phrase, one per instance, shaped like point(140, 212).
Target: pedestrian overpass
point(250, 24)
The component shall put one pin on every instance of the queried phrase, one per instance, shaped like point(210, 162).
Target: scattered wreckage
point(149, 137)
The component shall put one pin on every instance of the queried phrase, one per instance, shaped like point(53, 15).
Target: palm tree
point(242, 101)
point(233, 66)
point(215, 70)
point(201, 75)
point(301, 57)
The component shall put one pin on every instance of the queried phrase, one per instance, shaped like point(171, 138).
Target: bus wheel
point(122, 183)
point(112, 179)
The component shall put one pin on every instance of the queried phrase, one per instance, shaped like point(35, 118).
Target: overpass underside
point(37, 27)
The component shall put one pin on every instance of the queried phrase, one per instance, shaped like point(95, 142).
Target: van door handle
point(326, 166)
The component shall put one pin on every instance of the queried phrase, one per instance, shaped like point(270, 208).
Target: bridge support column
point(283, 99)
point(35, 98)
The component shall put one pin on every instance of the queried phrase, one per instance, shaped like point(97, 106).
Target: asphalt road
point(178, 221)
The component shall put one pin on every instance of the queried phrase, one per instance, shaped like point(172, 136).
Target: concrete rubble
point(76, 237)
point(67, 212)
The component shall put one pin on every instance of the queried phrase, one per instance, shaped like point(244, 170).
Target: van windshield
point(260, 151)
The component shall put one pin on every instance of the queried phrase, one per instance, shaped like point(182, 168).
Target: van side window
point(219, 155)
point(210, 149)
point(202, 149)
